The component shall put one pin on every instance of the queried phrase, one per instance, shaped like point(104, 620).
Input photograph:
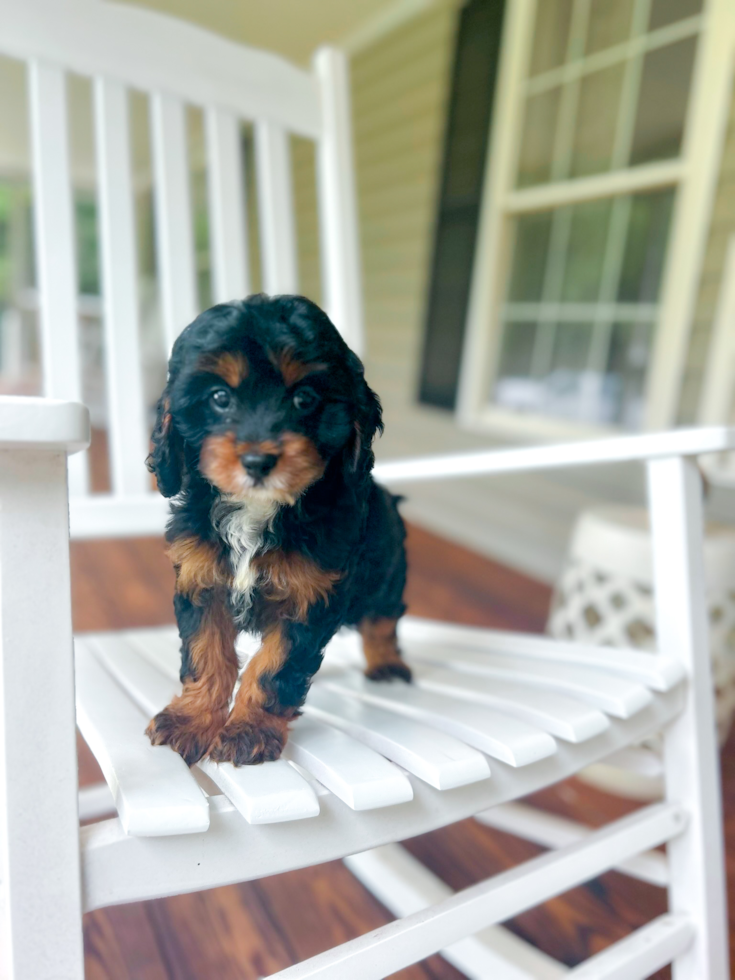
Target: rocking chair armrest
point(43, 423)
point(617, 449)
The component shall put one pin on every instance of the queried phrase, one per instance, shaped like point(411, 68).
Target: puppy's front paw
point(389, 670)
point(248, 743)
point(189, 736)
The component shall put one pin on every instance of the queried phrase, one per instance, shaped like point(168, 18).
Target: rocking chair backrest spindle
point(175, 64)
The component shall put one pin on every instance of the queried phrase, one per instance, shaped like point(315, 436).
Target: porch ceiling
point(292, 28)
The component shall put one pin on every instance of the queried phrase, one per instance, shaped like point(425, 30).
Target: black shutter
point(468, 124)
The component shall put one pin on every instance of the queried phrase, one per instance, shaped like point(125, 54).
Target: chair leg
point(691, 764)
point(39, 829)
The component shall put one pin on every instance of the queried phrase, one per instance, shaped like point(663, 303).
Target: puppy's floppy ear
point(166, 459)
point(359, 457)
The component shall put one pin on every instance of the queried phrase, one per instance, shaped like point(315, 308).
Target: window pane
point(517, 351)
point(625, 376)
point(659, 126)
point(515, 387)
point(551, 35)
point(529, 257)
point(610, 22)
point(537, 144)
point(597, 116)
point(665, 12)
point(571, 347)
point(586, 252)
point(645, 247)
point(566, 379)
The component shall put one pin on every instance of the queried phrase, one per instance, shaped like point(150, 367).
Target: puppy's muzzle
point(258, 465)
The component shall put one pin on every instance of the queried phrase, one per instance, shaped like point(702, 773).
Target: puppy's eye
point(221, 399)
point(305, 400)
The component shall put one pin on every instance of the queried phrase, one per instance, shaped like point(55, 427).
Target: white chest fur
point(242, 531)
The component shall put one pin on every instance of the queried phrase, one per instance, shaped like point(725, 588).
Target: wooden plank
point(172, 200)
point(276, 208)
point(503, 736)
point(483, 592)
point(55, 246)
point(437, 758)
point(615, 695)
point(360, 777)
point(227, 210)
point(641, 954)
point(658, 672)
point(337, 200)
point(386, 950)
point(155, 793)
point(405, 886)
point(550, 830)
point(127, 436)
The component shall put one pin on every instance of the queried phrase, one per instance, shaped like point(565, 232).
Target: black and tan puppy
point(263, 439)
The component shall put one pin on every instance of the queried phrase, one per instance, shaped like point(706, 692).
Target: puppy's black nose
point(258, 465)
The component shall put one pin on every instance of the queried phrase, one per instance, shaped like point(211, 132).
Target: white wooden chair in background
point(491, 717)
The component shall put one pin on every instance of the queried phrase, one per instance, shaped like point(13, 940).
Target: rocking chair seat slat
point(437, 758)
point(658, 672)
point(615, 695)
point(154, 791)
point(358, 736)
point(500, 735)
point(272, 793)
point(160, 647)
point(434, 695)
point(360, 777)
point(549, 709)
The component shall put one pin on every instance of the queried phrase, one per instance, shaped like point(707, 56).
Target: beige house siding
point(400, 86)
point(721, 228)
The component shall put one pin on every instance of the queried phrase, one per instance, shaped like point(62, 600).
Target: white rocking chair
point(491, 717)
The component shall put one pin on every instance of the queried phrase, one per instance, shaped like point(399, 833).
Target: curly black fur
point(343, 522)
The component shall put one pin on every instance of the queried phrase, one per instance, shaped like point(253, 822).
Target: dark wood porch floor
point(247, 931)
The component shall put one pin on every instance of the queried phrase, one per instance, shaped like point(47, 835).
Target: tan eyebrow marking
point(293, 370)
point(232, 368)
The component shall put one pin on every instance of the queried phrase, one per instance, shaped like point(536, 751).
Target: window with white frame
point(604, 105)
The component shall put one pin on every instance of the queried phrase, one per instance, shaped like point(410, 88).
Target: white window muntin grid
point(606, 312)
point(636, 46)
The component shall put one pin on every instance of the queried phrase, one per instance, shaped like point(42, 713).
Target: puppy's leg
point(274, 686)
point(380, 645)
point(381, 581)
point(208, 671)
point(257, 728)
